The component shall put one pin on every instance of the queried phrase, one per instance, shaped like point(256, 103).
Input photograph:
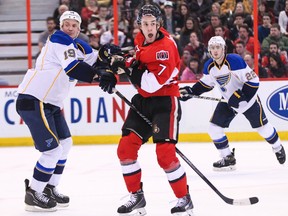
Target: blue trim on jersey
point(207, 65)
point(61, 37)
point(83, 46)
point(44, 169)
point(71, 66)
point(236, 62)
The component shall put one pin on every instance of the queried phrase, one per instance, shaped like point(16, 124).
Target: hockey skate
point(183, 207)
point(135, 206)
point(52, 192)
point(281, 155)
point(226, 164)
point(38, 202)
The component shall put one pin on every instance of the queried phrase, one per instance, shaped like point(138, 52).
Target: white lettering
point(283, 101)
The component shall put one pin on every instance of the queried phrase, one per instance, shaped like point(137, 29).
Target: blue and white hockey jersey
point(232, 75)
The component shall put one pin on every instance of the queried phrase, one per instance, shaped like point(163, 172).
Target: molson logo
point(277, 103)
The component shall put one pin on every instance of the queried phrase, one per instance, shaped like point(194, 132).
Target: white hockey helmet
point(216, 40)
point(70, 15)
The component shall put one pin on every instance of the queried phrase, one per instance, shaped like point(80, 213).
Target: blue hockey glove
point(107, 79)
point(237, 97)
point(186, 93)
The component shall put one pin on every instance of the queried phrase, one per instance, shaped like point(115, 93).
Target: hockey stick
point(205, 98)
point(245, 201)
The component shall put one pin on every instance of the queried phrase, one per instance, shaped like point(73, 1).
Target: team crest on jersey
point(223, 80)
point(162, 55)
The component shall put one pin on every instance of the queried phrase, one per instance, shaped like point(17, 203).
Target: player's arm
point(198, 88)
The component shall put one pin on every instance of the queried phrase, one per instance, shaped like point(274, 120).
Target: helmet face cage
point(70, 15)
point(149, 10)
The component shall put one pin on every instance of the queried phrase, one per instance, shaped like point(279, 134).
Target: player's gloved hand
point(107, 79)
point(186, 93)
point(105, 54)
point(237, 97)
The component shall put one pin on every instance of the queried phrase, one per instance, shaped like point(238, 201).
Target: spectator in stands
point(234, 28)
point(209, 31)
point(192, 71)
point(56, 13)
point(240, 48)
point(184, 62)
point(279, 5)
point(196, 48)
point(108, 36)
point(262, 10)
point(94, 25)
point(276, 68)
point(170, 19)
point(248, 40)
point(191, 24)
point(216, 9)
point(228, 6)
point(283, 20)
point(264, 28)
point(61, 9)
point(248, 58)
point(94, 39)
point(275, 36)
point(220, 31)
point(91, 7)
point(51, 27)
point(184, 15)
point(240, 8)
point(273, 49)
point(200, 9)
point(104, 15)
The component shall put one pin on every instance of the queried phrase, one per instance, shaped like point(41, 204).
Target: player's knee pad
point(128, 147)
point(50, 158)
point(66, 145)
point(166, 155)
point(215, 132)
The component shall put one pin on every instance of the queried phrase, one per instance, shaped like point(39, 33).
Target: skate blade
point(187, 213)
point(62, 205)
point(136, 212)
point(225, 169)
point(38, 209)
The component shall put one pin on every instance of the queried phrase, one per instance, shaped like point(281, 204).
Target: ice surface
point(95, 185)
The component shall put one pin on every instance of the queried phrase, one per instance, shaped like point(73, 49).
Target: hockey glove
point(105, 54)
point(107, 79)
point(186, 93)
point(237, 97)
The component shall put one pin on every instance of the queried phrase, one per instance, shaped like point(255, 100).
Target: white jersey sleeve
point(48, 81)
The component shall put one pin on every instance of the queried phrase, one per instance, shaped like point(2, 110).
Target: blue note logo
point(277, 103)
point(49, 141)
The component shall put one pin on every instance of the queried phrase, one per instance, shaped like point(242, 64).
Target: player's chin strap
point(245, 201)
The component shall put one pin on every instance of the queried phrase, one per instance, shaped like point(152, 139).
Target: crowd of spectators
point(192, 23)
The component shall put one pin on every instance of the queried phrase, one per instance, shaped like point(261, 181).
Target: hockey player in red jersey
point(154, 72)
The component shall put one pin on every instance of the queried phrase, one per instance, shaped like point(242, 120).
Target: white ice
point(95, 185)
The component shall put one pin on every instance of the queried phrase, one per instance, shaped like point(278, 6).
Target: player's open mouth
point(150, 35)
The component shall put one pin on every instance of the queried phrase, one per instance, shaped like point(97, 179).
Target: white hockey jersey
point(48, 81)
point(229, 77)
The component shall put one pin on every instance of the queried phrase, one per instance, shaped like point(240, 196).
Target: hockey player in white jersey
point(62, 61)
point(238, 84)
